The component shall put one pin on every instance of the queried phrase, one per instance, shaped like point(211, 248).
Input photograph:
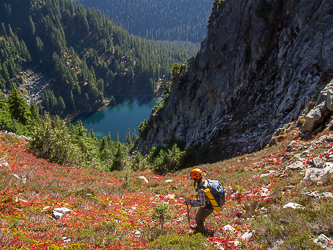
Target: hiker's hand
point(188, 201)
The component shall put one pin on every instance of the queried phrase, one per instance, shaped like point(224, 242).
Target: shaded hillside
point(85, 56)
point(278, 198)
point(257, 70)
point(182, 20)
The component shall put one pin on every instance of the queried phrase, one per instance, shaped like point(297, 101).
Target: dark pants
point(202, 214)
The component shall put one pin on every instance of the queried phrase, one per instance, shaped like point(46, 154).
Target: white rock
point(57, 215)
point(169, 181)
point(229, 228)
point(236, 243)
point(17, 176)
point(66, 240)
point(291, 145)
point(327, 195)
point(270, 172)
point(5, 164)
point(63, 210)
point(318, 162)
point(296, 166)
point(324, 242)
point(292, 205)
point(170, 196)
point(59, 212)
point(143, 178)
point(315, 174)
point(314, 194)
point(264, 192)
point(247, 236)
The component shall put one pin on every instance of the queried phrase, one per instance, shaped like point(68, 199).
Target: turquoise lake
point(128, 112)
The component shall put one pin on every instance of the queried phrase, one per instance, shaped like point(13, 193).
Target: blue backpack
point(217, 191)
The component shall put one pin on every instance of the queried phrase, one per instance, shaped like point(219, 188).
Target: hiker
point(205, 208)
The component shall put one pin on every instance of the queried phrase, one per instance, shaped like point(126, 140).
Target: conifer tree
point(117, 137)
point(32, 26)
point(108, 138)
point(128, 137)
point(18, 107)
point(80, 130)
point(92, 134)
point(117, 163)
point(102, 147)
point(134, 135)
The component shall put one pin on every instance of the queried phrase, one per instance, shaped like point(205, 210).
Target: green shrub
point(175, 241)
point(168, 160)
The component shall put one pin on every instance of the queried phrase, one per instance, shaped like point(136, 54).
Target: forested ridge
point(87, 57)
point(183, 20)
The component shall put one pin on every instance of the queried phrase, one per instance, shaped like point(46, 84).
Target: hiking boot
point(193, 232)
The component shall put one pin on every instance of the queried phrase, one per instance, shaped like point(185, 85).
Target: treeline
point(183, 20)
point(87, 56)
point(53, 139)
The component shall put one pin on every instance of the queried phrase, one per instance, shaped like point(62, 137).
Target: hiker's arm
point(190, 196)
point(201, 201)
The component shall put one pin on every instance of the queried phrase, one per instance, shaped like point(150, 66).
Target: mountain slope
point(85, 55)
point(255, 72)
point(45, 205)
point(182, 20)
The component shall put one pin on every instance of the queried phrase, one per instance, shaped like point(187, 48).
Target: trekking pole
point(188, 214)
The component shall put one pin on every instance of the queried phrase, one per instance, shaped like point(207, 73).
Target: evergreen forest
point(85, 56)
point(87, 59)
point(182, 20)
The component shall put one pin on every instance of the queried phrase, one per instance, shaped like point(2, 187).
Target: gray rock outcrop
point(251, 76)
point(322, 111)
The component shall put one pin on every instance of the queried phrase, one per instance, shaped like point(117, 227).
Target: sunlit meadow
point(118, 210)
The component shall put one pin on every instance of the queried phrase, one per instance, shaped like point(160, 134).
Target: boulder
point(143, 178)
point(296, 166)
point(229, 228)
point(247, 236)
point(59, 212)
point(316, 174)
point(324, 242)
point(318, 162)
point(322, 110)
point(293, 205)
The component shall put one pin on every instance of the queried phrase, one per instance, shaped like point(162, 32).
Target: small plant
point(126, 178)
point(143, 129)
point(239, 188)
point(161, 213)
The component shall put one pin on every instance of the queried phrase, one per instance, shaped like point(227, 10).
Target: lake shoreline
point(119, 114)
point(111, 102)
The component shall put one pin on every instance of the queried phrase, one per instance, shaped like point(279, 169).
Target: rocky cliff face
point(251, 76)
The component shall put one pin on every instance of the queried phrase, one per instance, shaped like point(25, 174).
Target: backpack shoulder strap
point(204, 185)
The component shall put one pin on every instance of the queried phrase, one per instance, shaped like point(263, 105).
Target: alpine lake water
point(127, 112)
